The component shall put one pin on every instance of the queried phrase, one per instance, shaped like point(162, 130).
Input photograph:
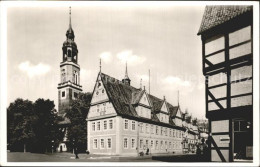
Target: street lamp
point(52, 145)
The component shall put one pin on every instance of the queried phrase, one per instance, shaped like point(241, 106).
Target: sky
point(160, 38)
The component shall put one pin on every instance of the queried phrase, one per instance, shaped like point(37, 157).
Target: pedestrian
point(76, 153)
point(206, 151)
point(198, 150)
point(147, 151)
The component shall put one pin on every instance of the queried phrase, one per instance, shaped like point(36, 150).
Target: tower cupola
point(70, 51)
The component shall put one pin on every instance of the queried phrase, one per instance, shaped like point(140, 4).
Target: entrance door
point(61, 148)
point(243, 139)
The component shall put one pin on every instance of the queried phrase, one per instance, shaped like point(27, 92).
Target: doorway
point(243, 139)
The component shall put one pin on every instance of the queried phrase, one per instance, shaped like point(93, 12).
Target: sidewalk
point(103, 156)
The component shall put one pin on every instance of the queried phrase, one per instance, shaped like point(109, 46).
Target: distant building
point(226, 34)
point(126, 120)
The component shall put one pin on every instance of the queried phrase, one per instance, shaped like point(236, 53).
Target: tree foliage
point(30, 125)
point(20, 118)
point(45, 127)
point(77, 131)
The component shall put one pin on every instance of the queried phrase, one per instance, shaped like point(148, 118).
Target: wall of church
point(70, 73)
point(64, 99)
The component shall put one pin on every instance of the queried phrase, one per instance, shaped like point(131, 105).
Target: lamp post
point(52, 145)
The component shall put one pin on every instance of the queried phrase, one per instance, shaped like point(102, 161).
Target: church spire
point(126, 74)
point(70, 33)
point(70, 19)
point(100, 65)
point(126, 80)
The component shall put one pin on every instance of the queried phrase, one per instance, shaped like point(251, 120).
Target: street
point(69, 157)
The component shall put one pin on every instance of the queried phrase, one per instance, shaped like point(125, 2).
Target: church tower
point(69, 86)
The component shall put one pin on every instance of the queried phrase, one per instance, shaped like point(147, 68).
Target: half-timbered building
point(226, 34)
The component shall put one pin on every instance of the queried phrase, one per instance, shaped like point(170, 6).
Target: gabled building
point(126, 120)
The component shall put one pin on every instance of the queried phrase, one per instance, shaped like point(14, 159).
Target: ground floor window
point(141, 143)
point(146, 143)
point(95, 143)
point(109, 143)
point(133, 143)
point(102, 144)
point(156, 144)
point(125, 143)
point(151, 143)
point(161, 144)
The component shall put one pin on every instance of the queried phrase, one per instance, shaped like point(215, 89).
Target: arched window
point(69, 53)
point(63, 75)
point(75, 76)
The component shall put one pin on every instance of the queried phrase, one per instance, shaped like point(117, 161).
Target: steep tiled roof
point(156, 103)
point(216, 15)
point(123, 97)
point(173, 110)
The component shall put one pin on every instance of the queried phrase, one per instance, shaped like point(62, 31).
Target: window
point(170, 145)
point(161, 144)
point(98, 125)
point(156, 144)
point(110, 124)
point(75, 76)
point(147, 128)
point(133, 125)
point(161, 130)
point(109, 143)
point(147, 143)
point(151, 129)
point(141, 127)
point(63, 94)
point(75, 95)
point(133, 143)
point(125, 143)
point(157, 130)
point(102, 144)
point(69, 53)
point(170, 132)
point(126, 124)
point(141, 143)
point(105, 125)
point(93, 126)
point(166, 145)
point(151, 143)
point(95, 143)
point(173, 133)
point(166, 132)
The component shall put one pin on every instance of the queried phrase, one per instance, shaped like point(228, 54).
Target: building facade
point(227, 54)
point(127, 120)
